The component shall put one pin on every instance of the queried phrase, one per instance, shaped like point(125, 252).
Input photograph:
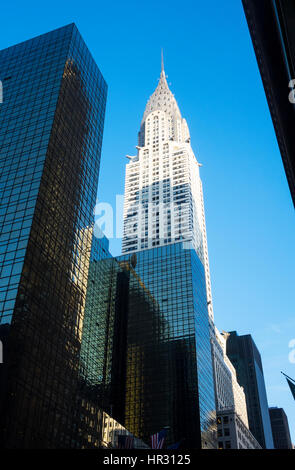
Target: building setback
point(246, 359)
point(280, 428)
point(51, 126)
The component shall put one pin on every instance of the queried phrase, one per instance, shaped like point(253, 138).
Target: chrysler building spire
point(163, 190)
point(163, 100)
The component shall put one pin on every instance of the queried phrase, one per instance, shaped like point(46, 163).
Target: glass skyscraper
point(169, 370)
point(150, 359)
point(51, 126)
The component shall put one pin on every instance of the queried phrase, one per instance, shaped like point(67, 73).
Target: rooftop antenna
point(162, 64)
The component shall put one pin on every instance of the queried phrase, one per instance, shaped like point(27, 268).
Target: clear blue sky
point(213, 72)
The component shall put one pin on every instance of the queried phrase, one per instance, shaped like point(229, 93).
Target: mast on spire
point(162, 63)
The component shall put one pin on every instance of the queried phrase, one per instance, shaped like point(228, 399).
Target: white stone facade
point(233, 433)
point(163, 201)
point(228, 393)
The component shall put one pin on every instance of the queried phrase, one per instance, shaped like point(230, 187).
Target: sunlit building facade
point(163, 201)
point(233, 432)
point(229, 395)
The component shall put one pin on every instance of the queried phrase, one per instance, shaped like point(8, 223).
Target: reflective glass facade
point(51, 126)
point(151, 360)
point(169, 368)
point(103, 350)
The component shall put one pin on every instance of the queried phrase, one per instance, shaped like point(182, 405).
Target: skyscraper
point(280, 428)
point(170, 375)
point(51, 126)
point(164, 226)
point(271, 26)
point(229, 395)
point(163, 191)
point(244, 355)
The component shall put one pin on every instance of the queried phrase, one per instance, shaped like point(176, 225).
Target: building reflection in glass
point(150, 362)
point(53, 119)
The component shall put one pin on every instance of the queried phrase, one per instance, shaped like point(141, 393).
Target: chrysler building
point(163, 201)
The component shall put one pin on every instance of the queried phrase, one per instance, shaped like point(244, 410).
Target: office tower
point(103, 348)
point(117, 300)
point(271, 25)
point(163, 191)
point(142, 359)
point(233, 433)
point(245, 357)
point(142, 356)
point(229, 395)
point(164, 225)
point(51, 126)
point(280, 428)
point(231, 408)
point(175, 389)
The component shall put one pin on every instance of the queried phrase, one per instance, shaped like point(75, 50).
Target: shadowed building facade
point(245, 357)
point(280, 428)
point(272, 27)
point(149, 360)
point(169, 367)
point(51, 126)
point(116, 351)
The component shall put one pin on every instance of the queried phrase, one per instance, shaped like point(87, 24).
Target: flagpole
point(288, 377)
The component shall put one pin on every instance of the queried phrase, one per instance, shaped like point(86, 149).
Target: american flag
point(125, 442)
point(158, 439)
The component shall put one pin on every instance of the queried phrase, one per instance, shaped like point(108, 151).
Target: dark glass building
point(51, 126)
point(244, 355)
point(103, 347)
point(169, 376)
point(272, 27)
point(280, 428)
point(150, 362)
